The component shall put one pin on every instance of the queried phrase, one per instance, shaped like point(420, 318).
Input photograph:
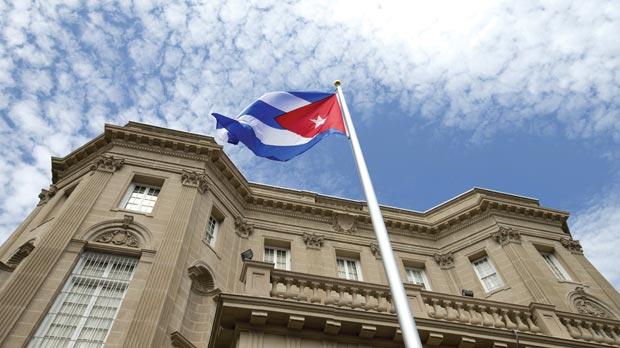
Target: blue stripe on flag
point(264, 112)
point(311, 96)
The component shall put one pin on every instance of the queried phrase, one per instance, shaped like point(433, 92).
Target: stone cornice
point(432, 224)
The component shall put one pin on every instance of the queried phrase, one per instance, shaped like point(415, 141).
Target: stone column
point(23, 285)
point(150, 321)
point(510, 240)
point(446, 262)
point(42, 208)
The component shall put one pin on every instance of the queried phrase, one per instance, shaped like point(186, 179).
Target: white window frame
point(211, 237)
point(130, 190)
point(358, 267)
point(425, 283)
point(495, 272)
point(275, 256)
point(555, 266)
point(100, 282)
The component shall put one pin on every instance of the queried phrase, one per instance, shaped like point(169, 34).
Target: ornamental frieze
point(344, 223)
point(243, 228)
point(46, 195)
point(119, 237)
point(313, 241)
point(506, 235)
point(195, 179)
point(107, 164)
point(445, 261)
point(572, 245)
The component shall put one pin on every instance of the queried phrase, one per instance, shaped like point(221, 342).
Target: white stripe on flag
point(283, 101)
point(272, 136)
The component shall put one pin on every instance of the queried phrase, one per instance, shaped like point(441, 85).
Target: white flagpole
point(401, 301)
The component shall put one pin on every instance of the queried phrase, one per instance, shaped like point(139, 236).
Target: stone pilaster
point(28, 278)
point(510, 240)
point(150, 321)
point(446, 263)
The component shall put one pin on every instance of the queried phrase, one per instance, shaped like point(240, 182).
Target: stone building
point(150, 237)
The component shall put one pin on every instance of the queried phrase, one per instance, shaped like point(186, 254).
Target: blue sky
point(520, 97)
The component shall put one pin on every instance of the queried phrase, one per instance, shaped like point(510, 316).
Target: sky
point(516, 96)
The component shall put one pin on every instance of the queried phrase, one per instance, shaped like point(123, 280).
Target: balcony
point(359, 310)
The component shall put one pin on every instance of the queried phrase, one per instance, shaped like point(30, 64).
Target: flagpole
point(400, 299)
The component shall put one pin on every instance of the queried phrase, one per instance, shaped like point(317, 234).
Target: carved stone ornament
point(313, 241)
point(21, 254)
point(195, 179)
point(202, 280)
point(506, 235)
point(374, 249)
point(584, 305)
point(119, 237)
point(445, 261)
point(344, 223)
point(243, 228)
point(107, 164)
point(572, 245)
point(46, 195)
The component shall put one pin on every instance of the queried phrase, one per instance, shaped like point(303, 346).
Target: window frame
point(130, 190)
point(358, 267)
point(101, 282)
point(426, 285)
point(495, 272)
point(275, 256)
point(561, 274)
point(216, 229)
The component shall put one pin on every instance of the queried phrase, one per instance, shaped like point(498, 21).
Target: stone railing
point(261, 279)
point(473, 311)
point(330, 291)
point(586, 328)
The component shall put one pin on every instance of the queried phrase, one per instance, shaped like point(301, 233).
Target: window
point(487, 274)
point(279, 256)
point(417, 275)
point(141, 198)
point(555, 266)
point(349, 268)
point(83, 312)
point(212, 227)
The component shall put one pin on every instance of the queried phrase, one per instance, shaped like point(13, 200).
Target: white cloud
point(598, 229)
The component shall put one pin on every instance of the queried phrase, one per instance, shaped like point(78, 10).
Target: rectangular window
point(212, 228)
point(417, 276)
point(84, 311)
point(141, 198)
point(349, 268)
point(487, 274)
point(555, 266)
point(279, 256)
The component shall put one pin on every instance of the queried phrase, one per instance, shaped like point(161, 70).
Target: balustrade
point(591, 329)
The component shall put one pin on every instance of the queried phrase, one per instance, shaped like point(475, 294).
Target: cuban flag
point(282, 125)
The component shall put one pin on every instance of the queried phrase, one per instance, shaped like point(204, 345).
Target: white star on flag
point(318, 121)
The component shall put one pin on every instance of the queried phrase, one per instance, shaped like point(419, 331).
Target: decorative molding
point(243, 228)
point(313, 241)
point(344, 223)
point(195, 179)
point(374, 249)
point(178, 340)
point(202, 279)
point(445, 261)
point(18, 256)
point(46, 195)
point(586, 304)
point(572, 245)
point(119, 237)
point(506, 235)
point(107, 163)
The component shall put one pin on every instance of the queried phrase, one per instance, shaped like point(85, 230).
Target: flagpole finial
point(337, 83)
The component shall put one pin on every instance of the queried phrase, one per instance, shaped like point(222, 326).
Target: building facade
point(150, 237)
